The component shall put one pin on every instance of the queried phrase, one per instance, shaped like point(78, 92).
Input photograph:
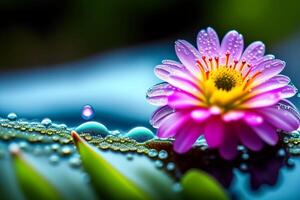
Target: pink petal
point(185, 84)
point(228, 149)
point(232, 43)
point(164, 72)
point(280, 118)
point(263, 59)
point(271, 84)
point(253, 52)
point(182, 100)
point(288, 106)
point(208, 43)
point(159, 115)
point(214, 132)
point(288, 103)
point(172, 124)
point(262, 100)
point(233, 116)
point(158, 94)
point(253, 119)
point(267, 133)
point(268, 69)
point(287, 91)
point(200, 115)
point(185, 139)
point(188, 55)
point(175, 63)
point(248, 137)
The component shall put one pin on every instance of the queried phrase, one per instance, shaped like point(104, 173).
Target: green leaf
point(31, 182)
point(108, 182)
point(199, 185)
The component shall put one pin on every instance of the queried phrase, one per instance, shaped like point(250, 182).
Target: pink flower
point(229, 95)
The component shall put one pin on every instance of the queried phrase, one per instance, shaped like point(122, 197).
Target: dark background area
point(35, 33)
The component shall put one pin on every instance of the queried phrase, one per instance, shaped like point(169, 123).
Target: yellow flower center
point(226, 78)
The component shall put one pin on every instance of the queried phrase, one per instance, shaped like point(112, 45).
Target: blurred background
point(58, 55)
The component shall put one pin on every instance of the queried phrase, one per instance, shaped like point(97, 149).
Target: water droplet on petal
point(87, 112)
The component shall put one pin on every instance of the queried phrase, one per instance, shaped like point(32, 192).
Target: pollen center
point(226, 78)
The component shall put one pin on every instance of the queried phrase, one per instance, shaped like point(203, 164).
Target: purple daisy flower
point(229, 95)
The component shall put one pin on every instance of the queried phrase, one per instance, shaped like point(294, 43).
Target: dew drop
point(170, 166)
point(93, 128)
point(177, 187)
point(75, 162)
point(129, 156)
point(244, 166)
point(55, 147)
point(163, 154)
point(245, 156)
point(54, 159)
point(140, 134)
point(87, 112)
point(12, 116)
point(281, 152)
point(65, 150)
point(152, 153)
point(159, 164)
point(46, 122)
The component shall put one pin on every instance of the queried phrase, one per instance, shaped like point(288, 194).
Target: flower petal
point(288, 103)
point(267, 133)
point(186, 85)
point(228, 149)
point(182, 100)
point(200, 115)
point(275, 82)
point(280, 118)
point(208, 43)
point(158, 94)
point(267, 70)
point(188, 55)
point(253, 52)
point(159, 115)
point(290, 107)
point(262, 100)
point(185, 139)
point(263, 59)
point(172, 124)
point(233, 43)
point(252, 119)
point(214, 132)
point(248, 137)
point(233, 116)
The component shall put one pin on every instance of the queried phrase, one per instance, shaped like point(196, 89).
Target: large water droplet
point(93, 128)
point(140, 134)
point(12, 116)
point(87, 112)
point(46, 122)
